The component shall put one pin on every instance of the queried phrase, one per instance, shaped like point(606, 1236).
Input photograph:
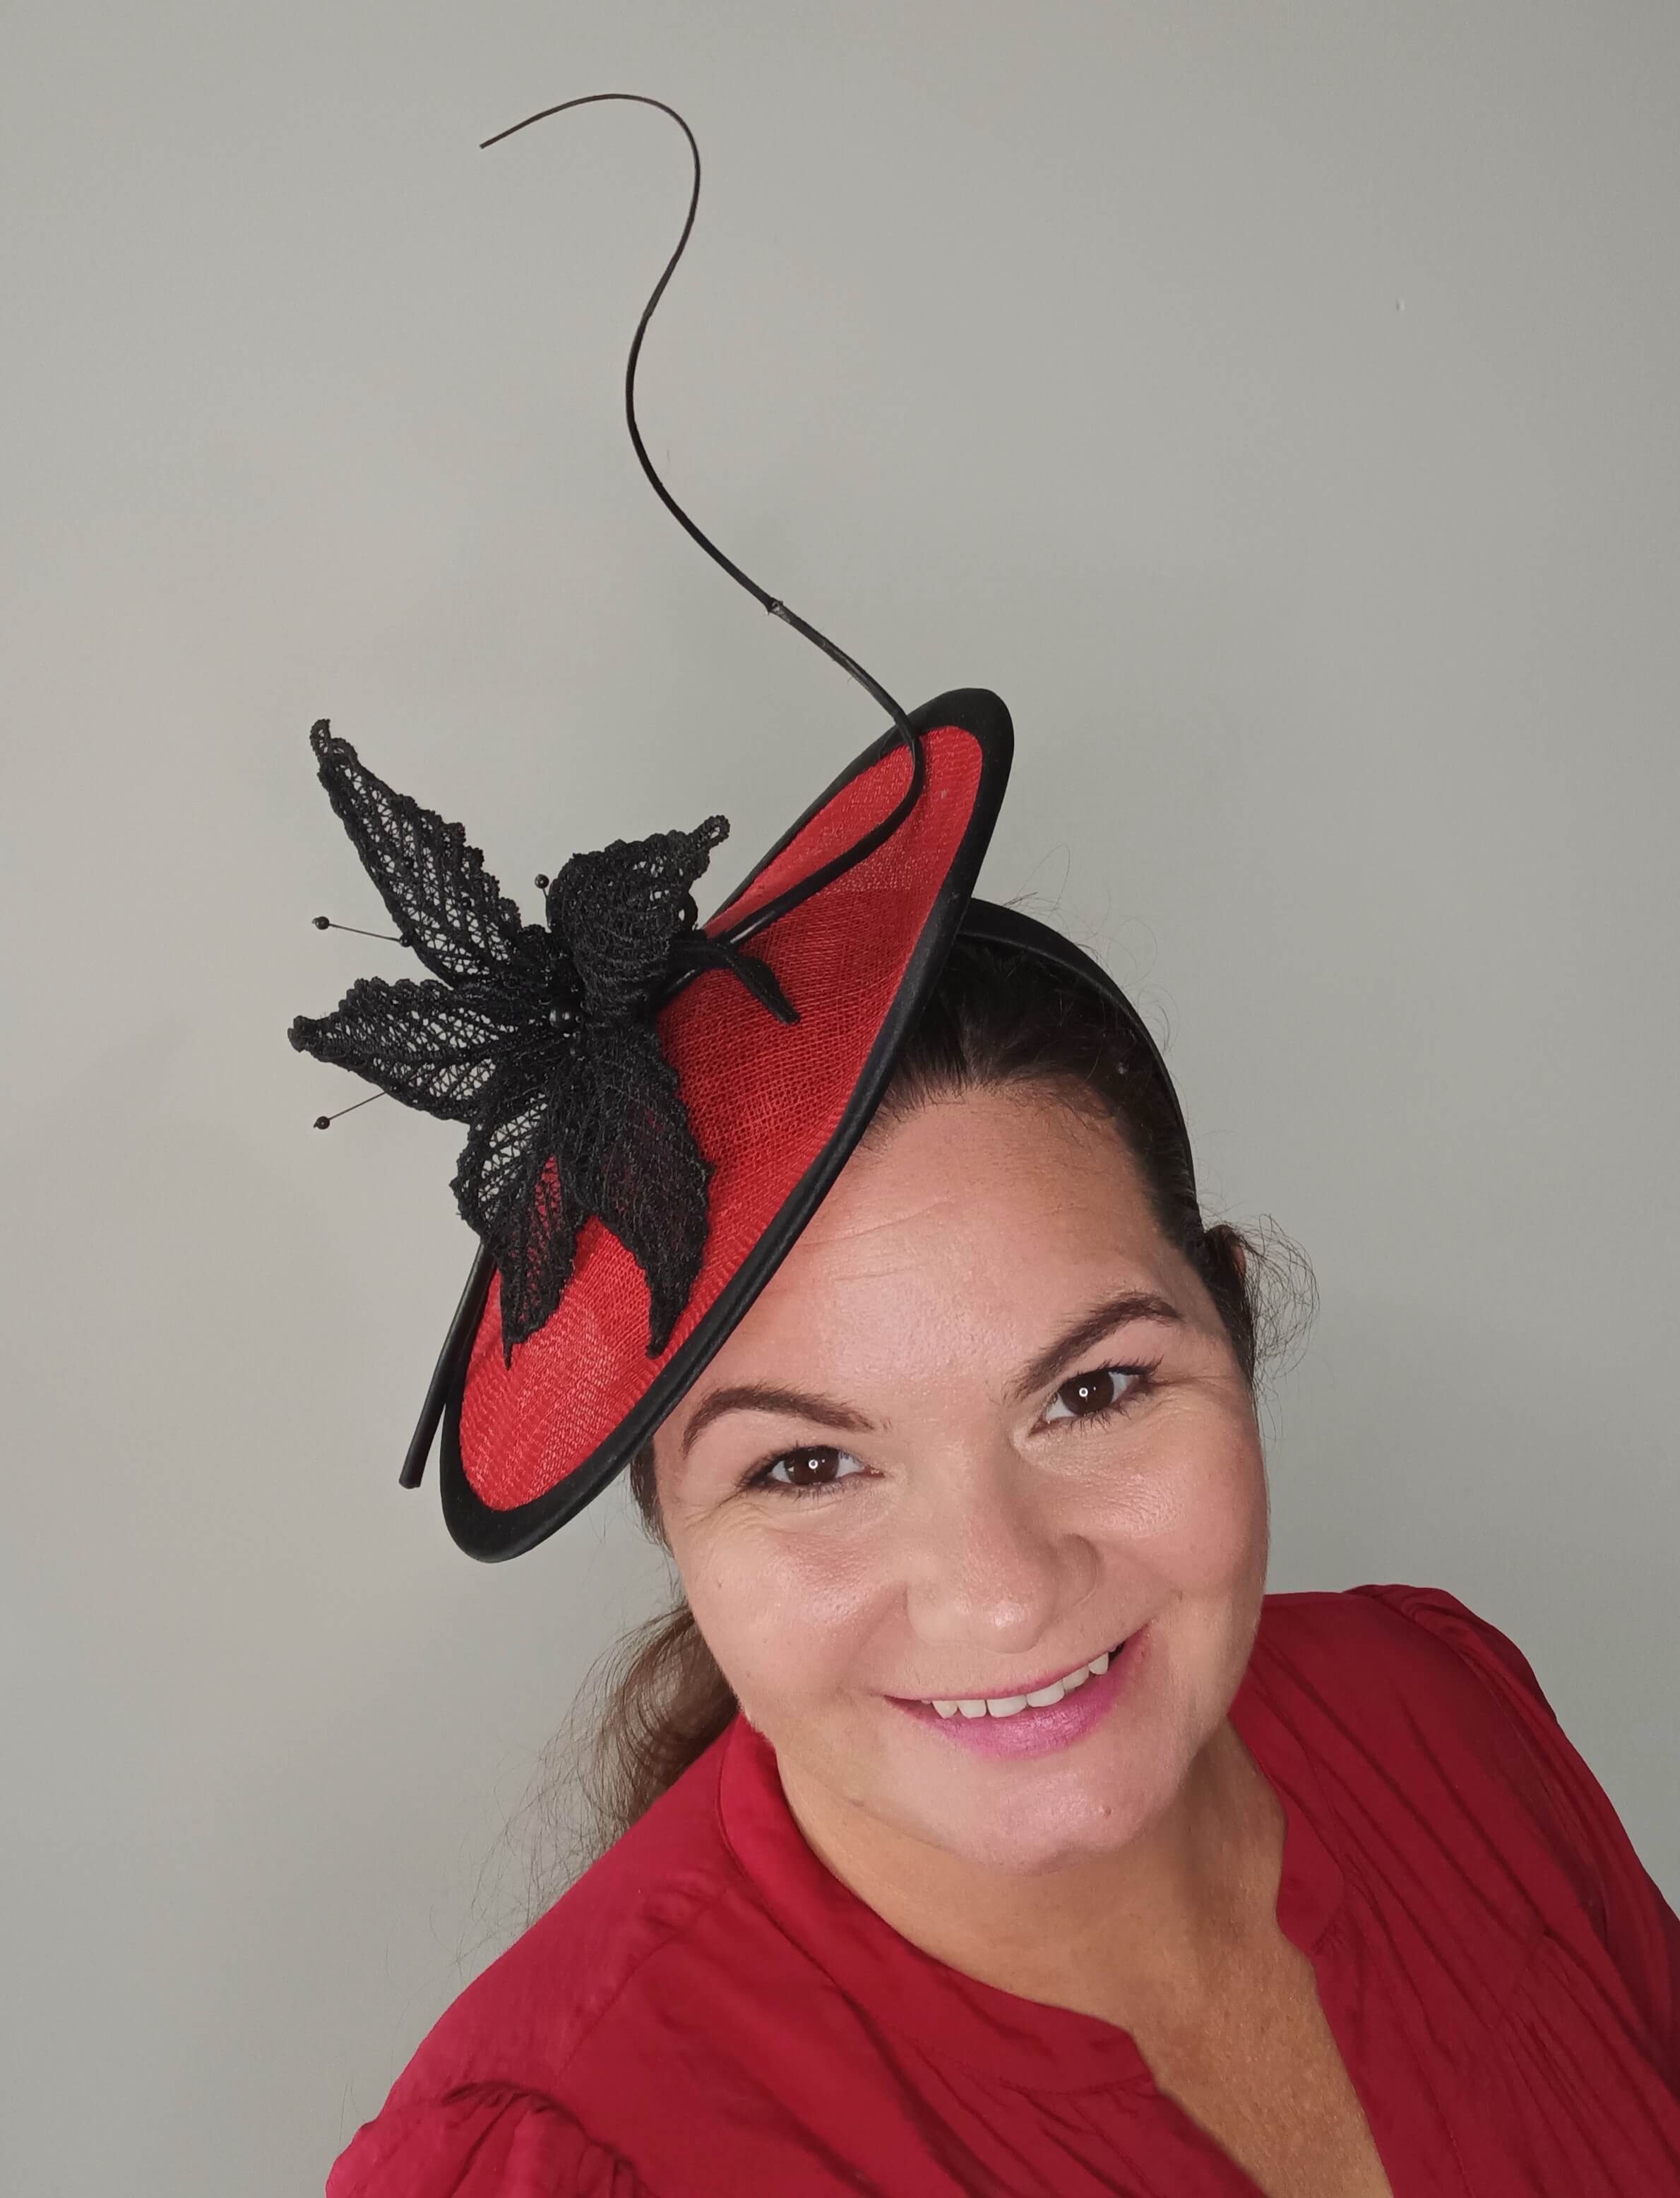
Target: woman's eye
point(816, 1466)
point(1089, 1396)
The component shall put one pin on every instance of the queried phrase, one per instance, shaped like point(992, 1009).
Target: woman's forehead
point(981, 1157)
point(991, 1213)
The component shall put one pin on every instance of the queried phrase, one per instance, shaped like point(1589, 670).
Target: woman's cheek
point(1192, 1512)
point(786, 1614)
point(1208, 1547)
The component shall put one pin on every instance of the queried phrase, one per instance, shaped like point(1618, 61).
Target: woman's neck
point(1148, 1930)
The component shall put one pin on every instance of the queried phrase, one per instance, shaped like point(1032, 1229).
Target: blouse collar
point(955, 2018)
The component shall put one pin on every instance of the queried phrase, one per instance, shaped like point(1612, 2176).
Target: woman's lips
point(1037, 1731)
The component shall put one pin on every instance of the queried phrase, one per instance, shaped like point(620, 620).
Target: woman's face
point(983, 1425)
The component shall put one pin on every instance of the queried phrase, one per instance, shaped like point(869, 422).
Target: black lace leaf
point(634, 1161)
point(508, 1188)
point(540, 1040)
point(434, 1046)
point(621, 908)
point(441, 898)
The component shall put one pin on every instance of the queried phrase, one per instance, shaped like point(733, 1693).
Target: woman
point(984, 1828)
point(1305, 1893)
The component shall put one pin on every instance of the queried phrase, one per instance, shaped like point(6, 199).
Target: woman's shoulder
point(1384, 1620)
point(631, 1945)
point(1400, 1651)
point(568, 1972)
point(1398, 1669)
point(1425, 1713)
point(480, 2141)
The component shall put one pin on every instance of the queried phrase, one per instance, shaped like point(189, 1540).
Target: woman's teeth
point(1008, 1705)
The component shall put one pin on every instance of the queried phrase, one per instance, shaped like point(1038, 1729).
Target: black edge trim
point(452, 1365)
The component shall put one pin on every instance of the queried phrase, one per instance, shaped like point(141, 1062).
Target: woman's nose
point(988, 1565)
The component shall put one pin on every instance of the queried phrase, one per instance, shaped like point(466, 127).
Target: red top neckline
point(951, 2016)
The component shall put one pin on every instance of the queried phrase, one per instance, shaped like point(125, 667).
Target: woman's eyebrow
point(765, 1397)
point(1090, 1328)
point(828, 1411)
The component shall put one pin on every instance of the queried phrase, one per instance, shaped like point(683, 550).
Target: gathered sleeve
point(1636, 1926)
point(482, 2141)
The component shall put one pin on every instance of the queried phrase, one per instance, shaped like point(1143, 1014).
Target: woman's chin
point(1037, 1838)
point(1026, 1817)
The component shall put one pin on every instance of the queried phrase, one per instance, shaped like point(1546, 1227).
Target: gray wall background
point(1275, 404)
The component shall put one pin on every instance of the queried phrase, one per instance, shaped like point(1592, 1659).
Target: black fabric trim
point(493, 1535)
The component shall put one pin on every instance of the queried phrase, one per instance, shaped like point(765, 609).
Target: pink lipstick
point(1032, 1731)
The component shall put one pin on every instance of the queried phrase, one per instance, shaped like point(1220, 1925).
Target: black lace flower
point(540, 1038)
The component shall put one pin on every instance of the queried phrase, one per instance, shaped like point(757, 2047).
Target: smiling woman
point(1074, 1120)
point(1049, 1445)
point(976, 1822)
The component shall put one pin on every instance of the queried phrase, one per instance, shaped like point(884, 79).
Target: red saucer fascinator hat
point(655, 1106)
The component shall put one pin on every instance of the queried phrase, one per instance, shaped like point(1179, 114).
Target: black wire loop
point(693, 950)
point(761, 918)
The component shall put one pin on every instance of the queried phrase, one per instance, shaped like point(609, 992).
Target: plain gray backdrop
point(1274, 403)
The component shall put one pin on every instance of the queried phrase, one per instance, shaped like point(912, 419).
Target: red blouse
point(708, 2012)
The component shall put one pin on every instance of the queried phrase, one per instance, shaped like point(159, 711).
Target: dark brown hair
point(998, 1017)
